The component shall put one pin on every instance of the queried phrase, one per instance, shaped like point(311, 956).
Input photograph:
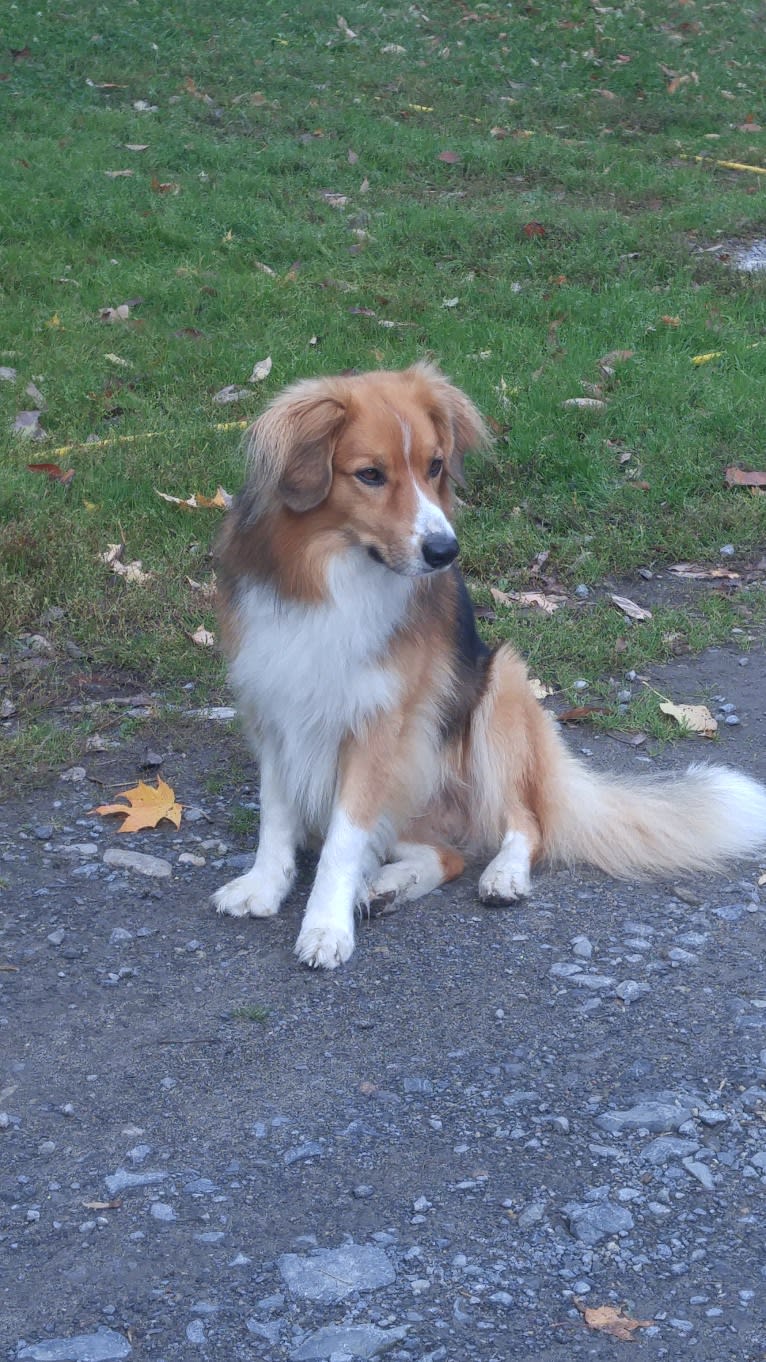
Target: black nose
point(440, 549)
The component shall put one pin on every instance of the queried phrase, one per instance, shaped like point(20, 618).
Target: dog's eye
point(436, 467)
point(372, 477)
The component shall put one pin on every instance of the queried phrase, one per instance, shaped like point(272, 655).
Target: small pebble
point(731, 720)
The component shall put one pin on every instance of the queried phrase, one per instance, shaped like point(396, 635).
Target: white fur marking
point(310, 674)
point(326, 937)
point(406, 437)
point(429, 519)
point(417, 871)
point(506, 878)
point(260, 892)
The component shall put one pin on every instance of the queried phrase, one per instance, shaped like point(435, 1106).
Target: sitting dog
point(381, 721)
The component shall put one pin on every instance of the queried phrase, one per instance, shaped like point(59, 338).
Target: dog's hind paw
point(247, 896)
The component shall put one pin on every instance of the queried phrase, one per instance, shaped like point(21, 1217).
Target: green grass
point(251, 1012)
point(262, 109)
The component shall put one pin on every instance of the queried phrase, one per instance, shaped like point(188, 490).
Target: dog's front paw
point(248, 896)
point(324, 947)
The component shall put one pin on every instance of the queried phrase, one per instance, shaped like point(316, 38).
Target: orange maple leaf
point(610, 1320)
point(147, 805)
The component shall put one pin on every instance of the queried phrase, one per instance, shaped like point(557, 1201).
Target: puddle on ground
point(748, 256)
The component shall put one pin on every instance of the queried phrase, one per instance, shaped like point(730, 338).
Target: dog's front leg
point(367, 770)
point(260, 892)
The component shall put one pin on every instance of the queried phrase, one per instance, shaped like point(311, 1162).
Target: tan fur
point(461, 759)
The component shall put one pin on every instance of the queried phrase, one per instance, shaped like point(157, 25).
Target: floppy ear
point(457, 420)
point(291, 445)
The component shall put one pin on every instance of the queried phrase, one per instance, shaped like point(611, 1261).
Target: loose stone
point(153, 866)
point(701, 1172)
point(103, 1346)
point(123, 1181)
point(331, 1274)
point(652, 1116)
point(352, 1340)
point(590, 1223)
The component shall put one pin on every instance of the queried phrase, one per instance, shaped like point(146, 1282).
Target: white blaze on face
point(429, 516)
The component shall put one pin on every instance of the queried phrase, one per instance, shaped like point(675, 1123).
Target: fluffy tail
point(694, 821)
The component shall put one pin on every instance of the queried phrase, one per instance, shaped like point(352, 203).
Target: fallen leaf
point(334, 200)
point(265, 269)
point(20, 53)
point(586, 403)
point(147, 806)
point(740, 477)
point(352, 157)
point(696, 572)
point(706, 358)
point(142, 106)
point(203, 638)
point(450, 302)
point(671, 321)
point(132, 572)
point(344, 28)
point(53, 471)
point(231, 393)
point(261, 370)
point(539, 688)
point(364, 186)
point(221, 501)
point(678, 81)
point(629, 608)
point(102, 1205)
point(114, 314)
point(450, 158)
point(33, 391)
point(136, 146)
point(27, 423)
point(610, 1319)
point(695, 717)
point(118, 174)
point(532, 229)
point(7, 374)
point(392, 49)
point(528, 598)
point(206, 590)
point(578, 713)
point(165, 186)
point(116, 359)
point(54, 322)
point(630, 737)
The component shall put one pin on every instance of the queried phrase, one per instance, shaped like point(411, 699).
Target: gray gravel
point(207, 1152)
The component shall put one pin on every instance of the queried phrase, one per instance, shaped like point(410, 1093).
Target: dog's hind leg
point(418, 868)
point(506, 878)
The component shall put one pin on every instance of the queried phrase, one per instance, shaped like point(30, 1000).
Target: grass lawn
point(515, 190)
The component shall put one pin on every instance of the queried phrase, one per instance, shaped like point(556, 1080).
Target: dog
point(382, 723)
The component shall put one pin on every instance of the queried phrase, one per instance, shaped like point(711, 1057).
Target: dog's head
point(366, 460)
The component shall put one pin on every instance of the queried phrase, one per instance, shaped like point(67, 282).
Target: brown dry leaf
point(578, 713)
point(741, 477)
point(450, 158)
point(610, 1319)
point(532, 229)
point(528, 598)
point(630, 737)
point(52, 470)
point(695, 717)
point(678, 81)
point(671, 321)
point(147, 805)
point(539, 688)
point(102, 1205)
point(203, 638)
point(629, 608)
point(334, 200)
point(165, 186)
point(696, 572)
point(586, 403)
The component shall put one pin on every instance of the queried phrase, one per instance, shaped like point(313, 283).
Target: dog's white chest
point(310, 674)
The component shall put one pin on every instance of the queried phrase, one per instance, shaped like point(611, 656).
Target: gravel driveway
point(487, 1122)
